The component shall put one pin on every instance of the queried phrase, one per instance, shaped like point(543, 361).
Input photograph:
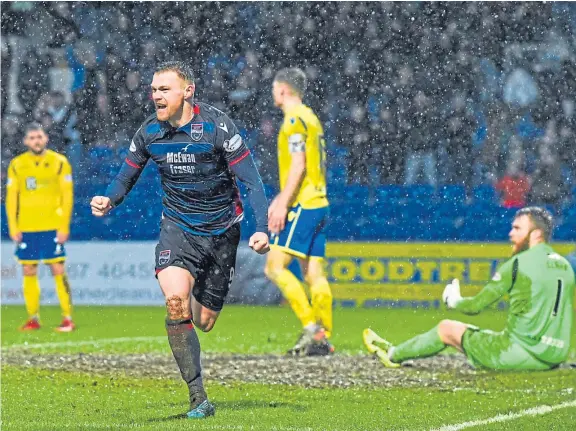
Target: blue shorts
point(304, 234)
point(40, 246)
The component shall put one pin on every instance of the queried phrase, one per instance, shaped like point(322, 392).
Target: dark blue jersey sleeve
point(138, 154)
point(130, 171)
point(241, 164)
point(229, 141)
point(245, 170)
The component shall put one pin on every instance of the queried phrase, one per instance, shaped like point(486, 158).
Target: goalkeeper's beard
point(522, 246)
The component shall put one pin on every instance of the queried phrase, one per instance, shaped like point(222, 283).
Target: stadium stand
point(473, 92)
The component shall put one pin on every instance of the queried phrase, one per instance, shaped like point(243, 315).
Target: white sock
point(312, 327)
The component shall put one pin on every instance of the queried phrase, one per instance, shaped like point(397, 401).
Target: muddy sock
point(186, 350)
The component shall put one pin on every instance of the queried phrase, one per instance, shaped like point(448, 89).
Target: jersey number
point(322, 149)
point(31, 183)
point(558, 295)
point(231, 278)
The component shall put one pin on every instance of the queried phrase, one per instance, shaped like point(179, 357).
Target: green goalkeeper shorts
point(495, 351)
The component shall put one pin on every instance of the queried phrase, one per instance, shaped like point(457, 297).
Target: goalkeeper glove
point(451, 295)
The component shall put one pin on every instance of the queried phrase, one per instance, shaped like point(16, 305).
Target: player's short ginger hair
point(541, 219)
point(183, 70)
point(294, 77)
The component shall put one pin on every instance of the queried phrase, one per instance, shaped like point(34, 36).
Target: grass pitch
point(116, 372)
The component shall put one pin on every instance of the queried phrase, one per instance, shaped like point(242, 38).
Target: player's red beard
point(522, 245)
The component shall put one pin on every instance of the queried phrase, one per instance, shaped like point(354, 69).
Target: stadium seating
point(389, 193)
point(485, 193)
point(359, 213)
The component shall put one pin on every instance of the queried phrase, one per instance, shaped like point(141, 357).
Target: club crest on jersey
point(197, 131)
point(163, 257)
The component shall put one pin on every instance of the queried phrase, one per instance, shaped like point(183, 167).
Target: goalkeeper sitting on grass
point(540, 285)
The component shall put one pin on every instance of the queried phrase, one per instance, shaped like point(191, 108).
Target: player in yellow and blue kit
point(39, 199)
point(297, 216)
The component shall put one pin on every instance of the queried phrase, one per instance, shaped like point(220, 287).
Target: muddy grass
point(336, 371)
point(341, 371)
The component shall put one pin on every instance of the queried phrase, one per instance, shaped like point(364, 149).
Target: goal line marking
point(534, 411)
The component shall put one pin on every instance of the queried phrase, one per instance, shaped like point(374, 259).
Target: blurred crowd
point(435, 93)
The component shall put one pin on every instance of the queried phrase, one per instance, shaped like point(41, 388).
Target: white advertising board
point(122, 273)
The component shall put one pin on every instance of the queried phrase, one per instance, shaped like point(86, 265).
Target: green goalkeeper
point(540, 285)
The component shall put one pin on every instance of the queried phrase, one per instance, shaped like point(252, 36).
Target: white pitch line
point(534, 411)
point(83, 343)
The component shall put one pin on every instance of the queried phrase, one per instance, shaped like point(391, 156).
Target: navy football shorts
point(37, 247)
point(210, 260)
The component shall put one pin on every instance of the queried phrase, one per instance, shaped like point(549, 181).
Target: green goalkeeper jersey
point(540, 284)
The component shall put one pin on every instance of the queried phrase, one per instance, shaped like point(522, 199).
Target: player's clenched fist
point(100, 205)
point(259, 243)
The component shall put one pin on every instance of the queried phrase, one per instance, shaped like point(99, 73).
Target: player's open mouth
point(160, 108)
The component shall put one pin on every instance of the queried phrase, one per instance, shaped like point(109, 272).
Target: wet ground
point(341, 371)
point(336, 371)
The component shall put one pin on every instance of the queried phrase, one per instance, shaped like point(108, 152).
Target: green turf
point(57, 400)
point(239, 329)
point(45, 400)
